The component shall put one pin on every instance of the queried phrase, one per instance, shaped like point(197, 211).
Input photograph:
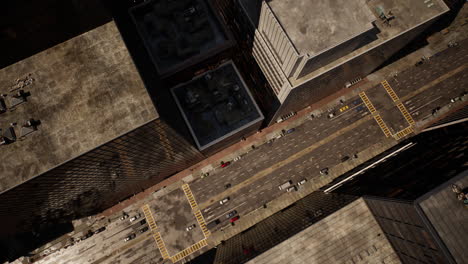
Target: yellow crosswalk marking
point(390, 91)
point(382, 125)
point(196, 211)
point(367, 102)
point(182, 254)
point(156, 235)
point(404, 132)
point(405, 113)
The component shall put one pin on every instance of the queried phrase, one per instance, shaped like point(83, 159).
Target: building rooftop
point(449, 216)
point(337, 21)
point(85, 92)
point(177, 34)
point(315, 26)
point(350, 235)
point(216, 105)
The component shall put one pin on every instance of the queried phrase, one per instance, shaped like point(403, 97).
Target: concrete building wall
point(98, 179)
point(407, 231)
point(317, 88)
point(277, 40)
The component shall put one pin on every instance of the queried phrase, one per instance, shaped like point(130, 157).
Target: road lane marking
point(434, 82)
point(284, 162)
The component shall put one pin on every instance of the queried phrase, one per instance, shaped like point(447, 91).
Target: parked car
point(285, 185)
point(324, 171)
point(331, 115)
point(88, 235)
point(225, 200)
point(345, 158)
point(142, 222)
point(231, 214)
point(134, 218)
point(301, 182)
point(144, 229)
point(289, 131)
point(190, 227)
point(227, 186)
point(291, 189)
point(130, 237)
point(100, 230)
point(225, 164)
point(232, 220)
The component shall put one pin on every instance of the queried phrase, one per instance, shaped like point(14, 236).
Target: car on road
point(213, 224)
point(227, 186)
point(231, 214)
point(135, 217)
point(144, 229)
point(100, 230)
point(232, 220)
point(225, 200)
point(291, 189)
point(190, 227)
point(331, 115)
point(345, 158)
point(324, 171)
point(130, 237)
point(301, 182)
point(124, 216)
point(225, 164)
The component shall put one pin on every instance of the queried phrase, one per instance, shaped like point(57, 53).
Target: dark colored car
point(234, 219)
point(231, 214)
point(345, 158)
point(324, 171)
point(144, 229)
point(88, 235)
point(100, 230)
point(130, 237)
point(142, 222)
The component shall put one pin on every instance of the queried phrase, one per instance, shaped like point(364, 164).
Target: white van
point(285, 185)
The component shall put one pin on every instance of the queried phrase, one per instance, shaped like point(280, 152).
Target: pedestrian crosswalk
point(390, 91)
point(154, 229)
point(196, 210)
point(405, 113)
point(382, 125)
point(184, 253)
point(367, 102)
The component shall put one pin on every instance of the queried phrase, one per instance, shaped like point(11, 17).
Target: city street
point(318, 150)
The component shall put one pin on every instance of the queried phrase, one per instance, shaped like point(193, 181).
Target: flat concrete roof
point(315, 26)
point(179, 33)
point(349, 235)
point(216, 105)
point(407, 15)
point(86, 92)
point(449, 216)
